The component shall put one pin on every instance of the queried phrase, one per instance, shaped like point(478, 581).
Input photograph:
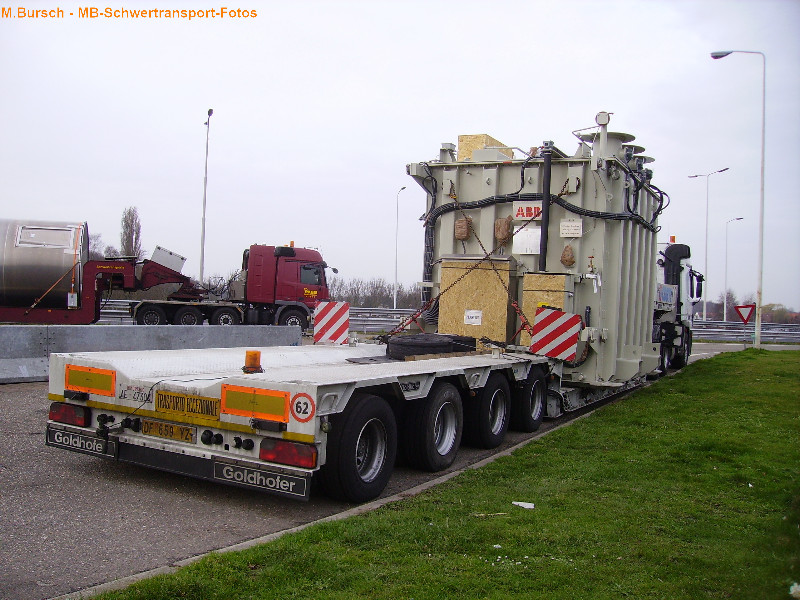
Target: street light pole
point(205, 186)
point(723, 54)
point(396, 234)
point(725, 291)
point(705, 256)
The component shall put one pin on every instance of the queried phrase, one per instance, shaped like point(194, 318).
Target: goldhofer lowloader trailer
point(544, 302)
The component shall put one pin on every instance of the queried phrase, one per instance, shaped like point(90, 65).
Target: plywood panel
point(479, 295)
point(468, 143)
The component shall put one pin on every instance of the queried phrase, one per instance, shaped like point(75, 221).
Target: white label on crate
point(526, 240)
point(473, 317)
point(571, 228)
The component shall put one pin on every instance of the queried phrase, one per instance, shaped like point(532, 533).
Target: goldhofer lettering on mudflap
point(79, 443)
point(271, 482)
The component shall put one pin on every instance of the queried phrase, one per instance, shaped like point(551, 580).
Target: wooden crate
point(480, 290)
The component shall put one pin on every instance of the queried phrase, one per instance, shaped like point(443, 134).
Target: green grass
point(687, 489)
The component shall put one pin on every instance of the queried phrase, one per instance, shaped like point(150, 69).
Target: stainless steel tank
point(35, 255)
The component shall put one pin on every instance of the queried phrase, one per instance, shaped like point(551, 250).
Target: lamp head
point(721, 54)
point(210, 111)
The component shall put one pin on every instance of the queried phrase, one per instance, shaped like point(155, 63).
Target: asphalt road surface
point(70, 521)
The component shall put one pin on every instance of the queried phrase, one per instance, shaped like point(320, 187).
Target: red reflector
point(288, 453)
point(61, 412)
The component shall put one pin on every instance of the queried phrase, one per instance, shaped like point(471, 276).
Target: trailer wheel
point(188, 315)
point(487, 415)
point(433, 428)
point(292, 316)
point(529, 403)
point(151, 314)
point(361, 449)
point(225, 316)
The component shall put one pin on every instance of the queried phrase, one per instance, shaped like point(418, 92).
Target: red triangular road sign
point(745, 312)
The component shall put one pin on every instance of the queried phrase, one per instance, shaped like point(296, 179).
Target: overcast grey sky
point(318, 107)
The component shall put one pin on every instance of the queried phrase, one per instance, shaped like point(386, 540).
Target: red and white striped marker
point(555, 333)
point(331, 323)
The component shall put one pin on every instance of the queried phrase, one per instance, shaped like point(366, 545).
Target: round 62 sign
point(303, 407)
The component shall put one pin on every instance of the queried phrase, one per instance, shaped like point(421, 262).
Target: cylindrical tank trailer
point(36, 256)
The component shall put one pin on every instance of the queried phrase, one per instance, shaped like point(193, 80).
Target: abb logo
point(525, 210)
point(528, 212)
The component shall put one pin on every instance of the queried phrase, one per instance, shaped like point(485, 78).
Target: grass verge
point(687, 489)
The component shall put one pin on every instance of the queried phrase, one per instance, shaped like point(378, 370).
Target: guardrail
point(370, 320)
point(365, 320)
point(728, 331)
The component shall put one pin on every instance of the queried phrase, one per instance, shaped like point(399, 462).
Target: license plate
point(169, 431)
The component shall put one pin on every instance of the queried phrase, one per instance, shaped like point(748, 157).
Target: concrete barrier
point(25, 349)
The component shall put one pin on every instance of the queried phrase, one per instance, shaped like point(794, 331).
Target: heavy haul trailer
point(496, 251)
point(344, 409)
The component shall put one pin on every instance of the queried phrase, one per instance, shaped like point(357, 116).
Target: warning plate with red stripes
point(555, 333)
point(331, 323)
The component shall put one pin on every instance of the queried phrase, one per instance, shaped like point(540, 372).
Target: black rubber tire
point(401, 346)
point(361, 450)
point(433, 427)
point(664, 359)
point(188, 315)
point(225, 316)
point(151, 314)
point(529, 402)
point(681, 357)
point(486, 417)
point(294, 316)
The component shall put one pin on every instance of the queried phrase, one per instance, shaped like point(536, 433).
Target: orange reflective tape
point(271, 405)
point(102, 382)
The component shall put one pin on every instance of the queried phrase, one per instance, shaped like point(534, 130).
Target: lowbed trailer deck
point(196, 412)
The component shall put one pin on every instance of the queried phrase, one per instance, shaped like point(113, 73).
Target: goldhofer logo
point(78, 442)
point(274, 482)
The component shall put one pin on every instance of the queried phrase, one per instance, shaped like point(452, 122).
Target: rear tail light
point(288, 453)
point(61, 412)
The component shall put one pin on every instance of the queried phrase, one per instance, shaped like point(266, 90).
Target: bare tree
point(130, 239)
point(373, 293)
point(96, 246)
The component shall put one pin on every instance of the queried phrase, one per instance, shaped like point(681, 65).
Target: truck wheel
point(361, 449)
point(188, 315)
point(681, 357)
point(433, 428)
point(487, 416)
point(528, 406)
point(663, 360)
point(151, 314)
point(225, 316)
point(292, 316)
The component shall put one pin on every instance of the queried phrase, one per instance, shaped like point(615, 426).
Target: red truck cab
point(292, 280)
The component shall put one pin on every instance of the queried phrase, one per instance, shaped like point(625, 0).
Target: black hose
point(547, 155)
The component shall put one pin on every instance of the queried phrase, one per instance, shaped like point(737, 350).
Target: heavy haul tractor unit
point(46, 277)
point(541, 280)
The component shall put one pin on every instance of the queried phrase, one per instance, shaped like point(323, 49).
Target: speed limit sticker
point(303, 407)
